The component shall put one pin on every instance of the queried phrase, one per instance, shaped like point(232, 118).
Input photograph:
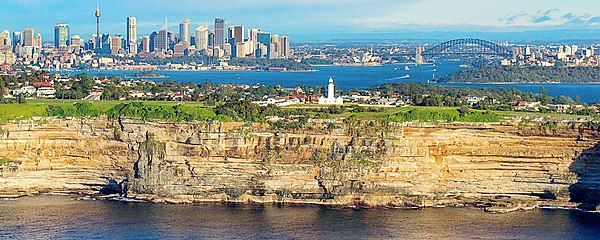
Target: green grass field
point(37, 107)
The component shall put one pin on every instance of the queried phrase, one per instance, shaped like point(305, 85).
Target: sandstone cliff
point(358, 164)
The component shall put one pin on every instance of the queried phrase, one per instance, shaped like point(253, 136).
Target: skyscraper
point(37, 41)
point(4, 40)
point(286, 51)
point(145, 43)
point(237, 33)
point(105, 44)
point(161, 42)
point(61, 35)
point(17, 39)
point(211, 38)
point(131, 35)
point(265, 39)
point(152, 40)
point(275, 46)
point(219, 40)
point(116, 44)
point(201, 37)
point(28, 37)
point(98, 42)
point(184, 32)
point(76, 40)
point(252, 32)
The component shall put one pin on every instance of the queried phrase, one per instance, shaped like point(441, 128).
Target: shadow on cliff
point(586, 191)
point(112, 187)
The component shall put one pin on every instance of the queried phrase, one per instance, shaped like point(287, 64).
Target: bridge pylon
point(419, 55)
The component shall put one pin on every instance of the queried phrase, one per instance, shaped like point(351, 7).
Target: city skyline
point(299, 19)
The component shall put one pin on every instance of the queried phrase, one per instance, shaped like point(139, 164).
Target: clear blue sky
point(309, 19)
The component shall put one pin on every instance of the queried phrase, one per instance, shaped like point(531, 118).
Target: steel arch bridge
point(485, 47)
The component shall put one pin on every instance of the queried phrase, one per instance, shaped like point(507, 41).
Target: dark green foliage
point(517, 74)
point(147, 112)
point(444, 116)
point(317, 61)
point(289, 64)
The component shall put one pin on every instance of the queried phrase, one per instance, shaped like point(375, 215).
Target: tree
point(544, 99)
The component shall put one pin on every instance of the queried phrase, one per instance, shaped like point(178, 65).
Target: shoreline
point(532, 83)
point(477, 204)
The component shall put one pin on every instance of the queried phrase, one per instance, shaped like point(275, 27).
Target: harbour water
point(64, 217)
point(350, 77)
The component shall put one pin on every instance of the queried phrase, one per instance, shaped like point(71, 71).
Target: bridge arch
point(492, 47)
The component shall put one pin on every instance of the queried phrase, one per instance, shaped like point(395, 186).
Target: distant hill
point(514, 74)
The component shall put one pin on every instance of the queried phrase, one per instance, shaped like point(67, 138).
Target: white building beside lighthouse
point(331, 99)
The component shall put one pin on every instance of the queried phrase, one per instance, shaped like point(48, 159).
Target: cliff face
point(364, 163)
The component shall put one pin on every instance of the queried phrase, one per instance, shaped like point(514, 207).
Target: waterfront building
point(61, 35)
point(331, 99)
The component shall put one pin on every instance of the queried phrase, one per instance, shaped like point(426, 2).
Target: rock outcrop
point(498, 166)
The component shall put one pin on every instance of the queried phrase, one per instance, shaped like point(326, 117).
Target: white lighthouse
point(331, 99)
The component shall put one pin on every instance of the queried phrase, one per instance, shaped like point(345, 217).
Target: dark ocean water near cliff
point(62, 217)
point(348, 77)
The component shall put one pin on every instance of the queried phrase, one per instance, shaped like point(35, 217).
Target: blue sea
point(63, 217)
point(350, 77)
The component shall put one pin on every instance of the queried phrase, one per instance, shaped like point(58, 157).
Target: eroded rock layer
point(365, 163)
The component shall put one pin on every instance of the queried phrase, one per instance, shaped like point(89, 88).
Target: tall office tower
point(152, 40)
point(105, 43)
point(184, 32)
point(265, 39)
point(97, 14)
point(238, 34)
point(37, 41)
point(28, 37)
point(76, 40)
point(211, 38)
point(252, 32)
point(116, 44)
point(131, 35)
point(161, 41)
point(202, 37)
point(219, 32)
point(5, 40)
point(235, 35)
point(145, 44)
point(17, 39)
point(61, 35)
point(275, 46)
point(286, 51)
